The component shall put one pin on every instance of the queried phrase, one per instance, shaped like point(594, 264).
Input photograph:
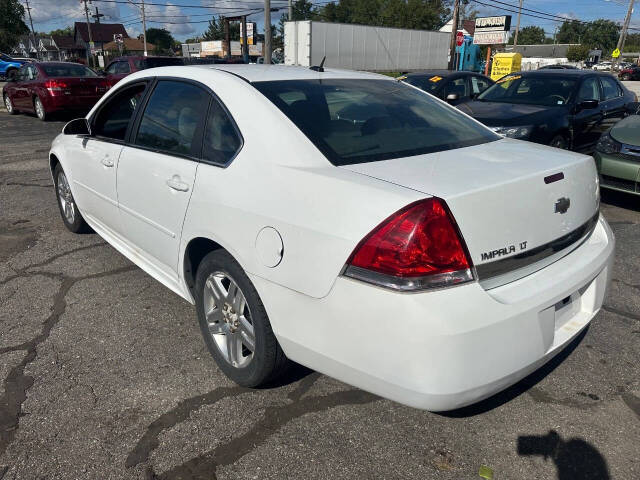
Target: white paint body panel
point(454, 346)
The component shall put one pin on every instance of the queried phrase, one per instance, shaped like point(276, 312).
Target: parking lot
point(105, 375)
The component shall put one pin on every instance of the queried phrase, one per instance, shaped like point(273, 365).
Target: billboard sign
point(492, 30)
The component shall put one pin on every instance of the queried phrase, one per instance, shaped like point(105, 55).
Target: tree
point(161, 38)
point(578, 53)
point(600, 33)
point(11, 24)
point(531, 35)
point(215, 31)
point(571, 31)
point(67, 31)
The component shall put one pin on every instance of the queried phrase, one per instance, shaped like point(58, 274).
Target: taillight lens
point(416, 248)
point(55, 86)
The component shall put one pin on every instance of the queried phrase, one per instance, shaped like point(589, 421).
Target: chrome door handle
point(176, 184)
point(107, 162)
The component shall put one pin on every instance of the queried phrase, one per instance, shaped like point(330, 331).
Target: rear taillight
point(56, 86)
point(416, 248)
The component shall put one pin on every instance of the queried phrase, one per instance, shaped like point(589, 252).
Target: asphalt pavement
point(105, 375)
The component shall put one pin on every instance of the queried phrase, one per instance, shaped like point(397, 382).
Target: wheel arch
point(195, 251)
point(53, 161)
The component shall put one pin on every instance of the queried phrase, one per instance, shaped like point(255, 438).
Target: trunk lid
point(500, 195)
point(82, 86)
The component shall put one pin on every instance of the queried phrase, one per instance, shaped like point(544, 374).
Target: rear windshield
point(68, 71)
point(356, 121)
point(157, 62)
point(544, 90)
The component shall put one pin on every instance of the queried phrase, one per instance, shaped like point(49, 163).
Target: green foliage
point(600, 33)
point(161, 38)
point(578, 53)
point(11, 24)
point(67, 31)
point(531, 35)
point(215, 31)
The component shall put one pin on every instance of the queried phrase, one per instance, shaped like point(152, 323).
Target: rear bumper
point(449, 348)
point(69, 102)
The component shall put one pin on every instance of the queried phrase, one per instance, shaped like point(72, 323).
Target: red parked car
point(631, 73)
point(47, 87)
point(122, 66)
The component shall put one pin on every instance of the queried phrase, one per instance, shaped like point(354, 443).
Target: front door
point(587, 121)
point(157, 172)
point(95, 159)
point(613, 103)
point(20, 94)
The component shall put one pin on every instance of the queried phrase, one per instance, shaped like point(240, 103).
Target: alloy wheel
point(229, 319)
point(8, 105)
point(66, 198)
point(39, 109)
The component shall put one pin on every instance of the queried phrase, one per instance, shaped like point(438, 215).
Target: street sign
point(459, 38)
point(616, 53)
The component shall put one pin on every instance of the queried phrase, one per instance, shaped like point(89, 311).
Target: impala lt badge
point(562, 205)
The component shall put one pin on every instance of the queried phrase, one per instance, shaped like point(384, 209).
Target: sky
point(188, 18)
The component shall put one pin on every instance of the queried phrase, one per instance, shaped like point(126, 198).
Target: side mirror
point(632, 108)
point(79, 126)
point(452, 97)
point(588, 104)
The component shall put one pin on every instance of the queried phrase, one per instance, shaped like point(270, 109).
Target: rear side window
point(221, 138)
point(122, 67)
point(113, 118)
point(610, 88)
point(172, 116)
point(355, 121)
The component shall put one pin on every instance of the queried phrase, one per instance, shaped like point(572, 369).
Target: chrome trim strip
point(510, 264)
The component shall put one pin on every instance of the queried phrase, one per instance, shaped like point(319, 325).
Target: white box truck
point(362, 47)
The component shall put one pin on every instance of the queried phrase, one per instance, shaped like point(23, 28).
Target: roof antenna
point(319, 68)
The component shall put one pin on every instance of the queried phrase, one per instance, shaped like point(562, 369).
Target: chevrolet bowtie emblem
point(562, 205)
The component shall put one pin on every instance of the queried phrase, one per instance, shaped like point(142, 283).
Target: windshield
point(69, 70)
point(535, 90)
point(356, 121)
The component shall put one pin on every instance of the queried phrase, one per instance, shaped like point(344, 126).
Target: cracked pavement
point(105, 375)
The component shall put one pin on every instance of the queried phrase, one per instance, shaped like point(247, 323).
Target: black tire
point(38, 107)
point(77, 224)
point(10, 73)
point(559, 141)
point(626, 76)
point(8, 105)
point(268, 361)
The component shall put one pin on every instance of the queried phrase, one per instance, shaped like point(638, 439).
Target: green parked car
point(618, 156)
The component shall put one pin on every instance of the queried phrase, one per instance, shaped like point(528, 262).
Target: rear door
point(613, 103)
point(157, 170)
point(94, 159)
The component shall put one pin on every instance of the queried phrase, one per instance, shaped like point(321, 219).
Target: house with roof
point(101, 34)
point(26, 47)
point(67, 49)
point(130, 46)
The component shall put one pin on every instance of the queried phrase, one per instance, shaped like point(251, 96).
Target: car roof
point(265, 73)
point(58, 63)
point(442, 73)
point(559, 72)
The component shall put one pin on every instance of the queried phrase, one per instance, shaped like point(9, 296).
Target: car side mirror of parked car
point(588, 104)
point(452, 97)
point(633, 108)
point(79, 126)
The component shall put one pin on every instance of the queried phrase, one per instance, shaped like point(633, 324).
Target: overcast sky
point(188, 18)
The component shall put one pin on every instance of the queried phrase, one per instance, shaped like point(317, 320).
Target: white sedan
point(345, 221)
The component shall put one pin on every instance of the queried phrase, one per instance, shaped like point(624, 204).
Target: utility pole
point(515, 39)
point(33, 33)
point(267, 31)
point(97, 15)
point(86, 14)
point(623, 33)
point(144, 30)
point(454, 31)
point(290, 10)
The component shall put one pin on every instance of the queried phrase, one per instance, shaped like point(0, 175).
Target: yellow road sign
point(616, 53)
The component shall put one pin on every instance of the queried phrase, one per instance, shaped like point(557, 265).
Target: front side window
point(610, 88)
point(221, 139)
point(589, 90)
point(544, 90)
point(479, 85)
point(113, 118)
point(456, 87)
point(171, 118)
point(67, 70)
point(122, 67)
point(356, 121)
point(23, 74)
